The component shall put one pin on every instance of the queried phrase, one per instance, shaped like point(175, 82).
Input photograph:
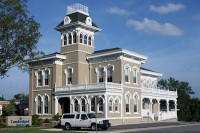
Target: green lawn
point(30, 130)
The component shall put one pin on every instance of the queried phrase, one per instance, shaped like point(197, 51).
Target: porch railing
point(96, 86)
point(158, 91)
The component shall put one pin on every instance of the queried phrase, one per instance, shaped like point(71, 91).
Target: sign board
point(18, 120)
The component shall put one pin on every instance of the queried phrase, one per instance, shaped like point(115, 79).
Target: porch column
point(106, 106)
point(142, 109)
point(151, 110)
point(158, 110)
point(56, 105)
point(167, 106)
point(175, 102)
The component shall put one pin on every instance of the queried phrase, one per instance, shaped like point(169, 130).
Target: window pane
point(85, 39)
point(135, 76)
point(70, 39)
point(127, 74)
point(81, 38)
point(74, 37)
point(76, 105)
point(40, 78)
point(100, 104)
point(93, 105)
point(101, 73)
point(65, 40)
point(83, 105)
point(90, 41)
point(69, 76)
point(109, 74)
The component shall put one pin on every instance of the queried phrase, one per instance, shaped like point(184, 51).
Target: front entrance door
point(65, 104)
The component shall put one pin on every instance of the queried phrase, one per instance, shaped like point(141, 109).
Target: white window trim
point(46, 69)
point(135, 68)
point(97, 72)
point(138, 98)
point(128, 93)
point(125, 66)
point(98, 111)
point(36, 101)
point(82, 98)
point(66, 74)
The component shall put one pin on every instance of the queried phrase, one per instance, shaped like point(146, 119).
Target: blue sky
point(166, 31)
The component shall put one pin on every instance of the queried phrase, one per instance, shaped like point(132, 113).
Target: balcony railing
point(94, 86)
point(158, 91)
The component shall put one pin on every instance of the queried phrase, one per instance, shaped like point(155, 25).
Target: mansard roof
point(77, 16)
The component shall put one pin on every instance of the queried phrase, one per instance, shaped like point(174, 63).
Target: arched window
point(69, 76)
point(127, 103)
point(85, 39)
point(39, 78)
point(100, 104)
point(90, 41)
point(76, 105)
point(135, 103)
point(116, 105)
point(127, 74)
point(39, 104)
point(134, 75)
point(65, 40)
point(74, 37)
point(46, 79)
point(111, 104)
point(81, 38)
point(110, 74)
point(93, 104)
point(46, 104)
point(83, 105)
point(101, 73)
point(69, 39)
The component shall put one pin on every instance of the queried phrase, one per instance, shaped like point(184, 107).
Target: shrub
point(36, 121)
point(46, 120)
point(2, 123)
point(56, 117)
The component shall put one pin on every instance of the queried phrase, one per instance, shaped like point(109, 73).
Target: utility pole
point(96, 112)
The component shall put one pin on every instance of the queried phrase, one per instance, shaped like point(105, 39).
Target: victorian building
point(70, 80)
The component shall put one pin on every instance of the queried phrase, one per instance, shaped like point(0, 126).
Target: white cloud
point(118, 11)
point(164, 9)
point(197, 17)
point(148, 25)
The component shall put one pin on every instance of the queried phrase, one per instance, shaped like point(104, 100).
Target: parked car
point(86, 120)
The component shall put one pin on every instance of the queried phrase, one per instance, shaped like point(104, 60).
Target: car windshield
point(92, 115)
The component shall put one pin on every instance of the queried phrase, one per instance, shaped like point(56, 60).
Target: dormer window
point(67, 20)
point(88, 21)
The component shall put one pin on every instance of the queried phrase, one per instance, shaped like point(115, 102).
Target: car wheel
point(67, 126)
point(93, 127)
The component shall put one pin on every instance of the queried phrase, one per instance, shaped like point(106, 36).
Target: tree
point(19, 34)
point(2, 98)
point(184, 91)
point(9, 109)
point(21, 96)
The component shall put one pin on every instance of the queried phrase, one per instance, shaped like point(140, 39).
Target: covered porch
point(159, 105)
